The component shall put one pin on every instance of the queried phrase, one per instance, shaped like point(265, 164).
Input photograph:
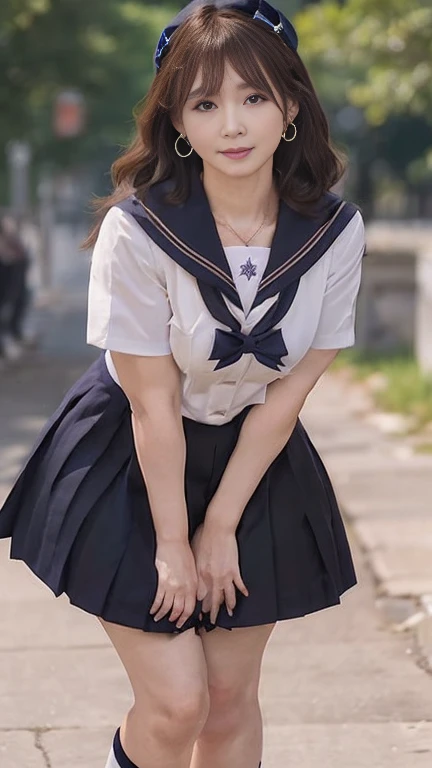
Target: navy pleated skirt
point(79, 517)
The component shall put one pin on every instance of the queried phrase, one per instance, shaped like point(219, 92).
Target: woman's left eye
point(255, 96)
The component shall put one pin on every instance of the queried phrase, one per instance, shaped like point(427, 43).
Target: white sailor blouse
point(234, 319)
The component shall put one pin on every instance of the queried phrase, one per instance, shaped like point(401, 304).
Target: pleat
point(69, 434)
point(76, 494)
point(97, 549)
point(294, 556)
point(66, 475)
point(13, 503)
point(134, 586)
point(312, 498)
point(345, 572)
point(75, 450)
point(76, 432)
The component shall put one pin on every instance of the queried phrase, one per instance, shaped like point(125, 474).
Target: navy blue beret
point(257, 9)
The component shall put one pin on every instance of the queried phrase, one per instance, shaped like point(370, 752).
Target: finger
point(214, 613)
point(188, 611)
point(206, 605)
point(158, 600)
point(217, 599)
point(230, 598)
point(238, 581)
point(178, 607)
point(202, 589)
point(165, 607)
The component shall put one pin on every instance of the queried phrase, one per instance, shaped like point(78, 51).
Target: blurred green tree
point(389, 42)
point(103, 48)
point(378, 57)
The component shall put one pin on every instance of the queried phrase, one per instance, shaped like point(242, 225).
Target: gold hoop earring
point(175, 146)
point(295, 132)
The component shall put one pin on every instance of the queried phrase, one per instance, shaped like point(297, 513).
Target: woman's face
point(237, 117)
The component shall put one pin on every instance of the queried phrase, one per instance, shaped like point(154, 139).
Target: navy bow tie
point(268, 347)
point(264, 341)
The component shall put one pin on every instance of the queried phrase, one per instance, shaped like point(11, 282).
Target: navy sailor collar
point(188, 234)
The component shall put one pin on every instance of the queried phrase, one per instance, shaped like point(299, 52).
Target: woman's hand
point(217, 563)
point(178, 581)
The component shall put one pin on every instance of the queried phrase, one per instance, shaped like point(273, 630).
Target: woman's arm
point(265, 431)
point(128, 313)
point(152, 386)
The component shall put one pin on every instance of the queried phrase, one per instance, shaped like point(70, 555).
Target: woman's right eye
point(200, 105)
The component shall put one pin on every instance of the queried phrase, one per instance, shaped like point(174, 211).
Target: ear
point(178, 125)
point(292, 110)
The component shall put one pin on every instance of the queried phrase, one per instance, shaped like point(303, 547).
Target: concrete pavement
point(385, 487)
point(340, 689)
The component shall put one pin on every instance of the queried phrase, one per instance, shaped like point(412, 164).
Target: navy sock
point(120, 754)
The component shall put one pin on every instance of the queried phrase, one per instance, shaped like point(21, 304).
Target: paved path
point(385, 488)
point(339, 689)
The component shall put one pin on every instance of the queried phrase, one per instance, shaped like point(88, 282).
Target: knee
point(230, 694)
point(179, 714)
point(231, 705)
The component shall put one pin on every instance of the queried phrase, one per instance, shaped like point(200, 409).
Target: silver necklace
point(245, 242)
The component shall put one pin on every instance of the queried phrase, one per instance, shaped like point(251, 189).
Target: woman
point(175, 493)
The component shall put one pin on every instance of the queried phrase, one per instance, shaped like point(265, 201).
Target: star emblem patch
point(248, 269)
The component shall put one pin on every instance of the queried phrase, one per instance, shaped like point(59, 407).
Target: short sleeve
point(337, 319)
point(128, 306)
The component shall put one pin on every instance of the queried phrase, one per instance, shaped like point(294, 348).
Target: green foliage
point(386, 45)
point(377, 57)
point(103, 48)
point(407, 389)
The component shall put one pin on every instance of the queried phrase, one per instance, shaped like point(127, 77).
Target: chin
point(239, 171)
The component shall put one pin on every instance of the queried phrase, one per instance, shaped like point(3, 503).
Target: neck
point(241, 200)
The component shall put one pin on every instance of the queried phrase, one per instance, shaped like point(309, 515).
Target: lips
point(238, 153)
point(234, 151)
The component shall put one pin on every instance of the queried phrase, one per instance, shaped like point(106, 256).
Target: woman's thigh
point(167, 671)
point(234, 660)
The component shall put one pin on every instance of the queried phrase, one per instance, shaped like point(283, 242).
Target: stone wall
point(394, 306)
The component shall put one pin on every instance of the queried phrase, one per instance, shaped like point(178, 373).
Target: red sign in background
point(69, 114)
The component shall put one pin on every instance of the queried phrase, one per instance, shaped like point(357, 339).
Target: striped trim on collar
point(186, 249)
point(292, 260)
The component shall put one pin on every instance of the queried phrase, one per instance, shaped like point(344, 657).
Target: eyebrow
point(200, 92)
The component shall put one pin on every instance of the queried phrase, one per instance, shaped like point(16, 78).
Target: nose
point(232, 124)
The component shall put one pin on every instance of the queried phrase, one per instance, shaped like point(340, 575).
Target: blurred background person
point(14, 289)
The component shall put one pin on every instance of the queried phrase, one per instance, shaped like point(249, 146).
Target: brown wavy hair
point(306, 167)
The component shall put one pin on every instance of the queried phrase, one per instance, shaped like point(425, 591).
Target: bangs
point(228, 40)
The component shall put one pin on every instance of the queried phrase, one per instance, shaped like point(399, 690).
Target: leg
point(168, 676)
point(232, 735)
